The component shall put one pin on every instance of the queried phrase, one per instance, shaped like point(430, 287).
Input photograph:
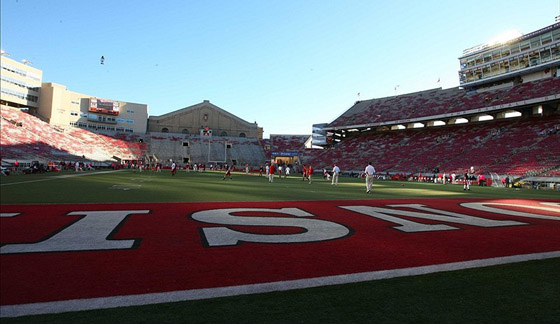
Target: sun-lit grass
point(129, 186)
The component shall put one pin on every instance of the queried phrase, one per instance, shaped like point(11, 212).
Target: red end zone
point(54, 253)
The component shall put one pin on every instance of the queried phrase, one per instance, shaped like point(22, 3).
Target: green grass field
point(128, 186)
point(527, 292)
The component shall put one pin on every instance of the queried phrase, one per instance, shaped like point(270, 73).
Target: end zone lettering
point(95, 230)
point(104, 254)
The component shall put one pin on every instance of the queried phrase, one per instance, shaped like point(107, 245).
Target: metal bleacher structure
point(520, 146)
point(205, 149)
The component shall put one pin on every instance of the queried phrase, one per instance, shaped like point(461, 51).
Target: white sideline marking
point(59, 177)
point(8, 214)
point(196, 294)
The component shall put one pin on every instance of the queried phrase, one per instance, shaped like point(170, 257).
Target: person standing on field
point(369, 172)
point(335, 172)
point(271, 172)
point(228, 173)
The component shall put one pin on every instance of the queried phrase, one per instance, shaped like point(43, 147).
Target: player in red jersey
point(310, 173)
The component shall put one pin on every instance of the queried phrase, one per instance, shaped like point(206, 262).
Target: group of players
point(307, 173)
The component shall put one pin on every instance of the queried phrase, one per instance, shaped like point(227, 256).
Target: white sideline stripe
point(60, 177)
point(8, 214)
point(196, 294)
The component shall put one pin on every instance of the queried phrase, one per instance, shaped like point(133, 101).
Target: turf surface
point(516, 293)
point(525, 292)
point(128, 186)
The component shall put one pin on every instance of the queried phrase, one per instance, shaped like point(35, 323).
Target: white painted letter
point(88, 233)
point(315, 229)
point(483, 206)
point(442, 215)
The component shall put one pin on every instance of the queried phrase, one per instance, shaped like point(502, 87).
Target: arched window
point(185, 131)
point(222, 134)
point(165, 130)
point(242, 135)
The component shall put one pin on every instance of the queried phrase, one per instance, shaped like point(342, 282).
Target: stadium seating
point(514, 146)
point(288, 143)
point(27, 137)
point(201, 149)
point(438, 101)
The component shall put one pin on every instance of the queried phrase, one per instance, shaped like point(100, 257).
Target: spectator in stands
point(335, 172)
point(369, 172)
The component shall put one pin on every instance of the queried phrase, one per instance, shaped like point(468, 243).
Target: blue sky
point(284, 64)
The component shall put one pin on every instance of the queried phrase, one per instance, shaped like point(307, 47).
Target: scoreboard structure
point(103, 106)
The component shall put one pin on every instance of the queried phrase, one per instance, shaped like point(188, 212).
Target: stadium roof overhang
point(490, 109)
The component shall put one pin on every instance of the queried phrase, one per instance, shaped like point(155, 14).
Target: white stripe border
point(197, 294)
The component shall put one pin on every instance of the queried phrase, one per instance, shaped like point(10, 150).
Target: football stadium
point(111, 214)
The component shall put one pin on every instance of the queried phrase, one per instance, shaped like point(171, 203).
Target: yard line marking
point(197, 294)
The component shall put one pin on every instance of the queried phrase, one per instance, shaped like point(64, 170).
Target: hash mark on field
point(139, 180)
point(125, 187)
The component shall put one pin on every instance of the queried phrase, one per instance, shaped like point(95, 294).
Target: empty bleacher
point(27, 137)
point(515, 146)
point(441, 101)
point(202, 149)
